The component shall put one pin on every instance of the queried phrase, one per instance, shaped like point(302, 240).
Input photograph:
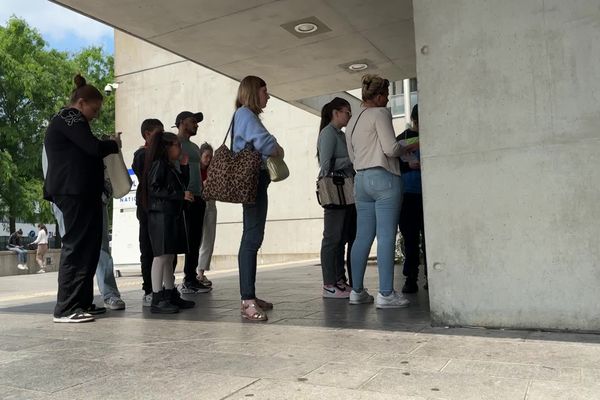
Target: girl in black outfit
point(163, 194)
point(74, 182)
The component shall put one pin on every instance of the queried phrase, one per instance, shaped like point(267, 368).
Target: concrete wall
point(8, 262)
point(157, 84)
point(511, 204)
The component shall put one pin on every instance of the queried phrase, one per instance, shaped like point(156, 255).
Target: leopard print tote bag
point(232, 177)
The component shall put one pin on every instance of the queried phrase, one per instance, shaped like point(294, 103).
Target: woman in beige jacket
point(374, 151)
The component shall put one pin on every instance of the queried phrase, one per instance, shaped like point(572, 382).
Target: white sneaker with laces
point(147, 300)
point(393, 300)
point(22, 267)
point(362, 297)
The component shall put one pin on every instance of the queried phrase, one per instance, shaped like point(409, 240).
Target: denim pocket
point(380, 181)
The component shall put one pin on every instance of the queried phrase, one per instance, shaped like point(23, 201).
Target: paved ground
point(309, 349)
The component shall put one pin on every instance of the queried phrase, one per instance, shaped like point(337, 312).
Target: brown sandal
point(265, 305)
point(257, 315)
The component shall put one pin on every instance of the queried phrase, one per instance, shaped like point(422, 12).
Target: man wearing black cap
point(187, 125)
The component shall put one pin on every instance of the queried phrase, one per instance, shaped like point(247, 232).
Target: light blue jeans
point(105, 276)
point(378, 196)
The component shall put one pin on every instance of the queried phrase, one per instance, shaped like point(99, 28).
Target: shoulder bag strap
point(354, 127)
point(230, 129)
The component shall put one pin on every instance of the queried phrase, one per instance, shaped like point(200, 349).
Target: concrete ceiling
point(242, 37)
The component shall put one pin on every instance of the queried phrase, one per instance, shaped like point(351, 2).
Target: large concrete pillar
point(509, 97)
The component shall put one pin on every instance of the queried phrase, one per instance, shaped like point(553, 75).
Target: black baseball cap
point(187, 114)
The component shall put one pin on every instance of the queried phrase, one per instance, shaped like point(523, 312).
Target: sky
point(61, 28)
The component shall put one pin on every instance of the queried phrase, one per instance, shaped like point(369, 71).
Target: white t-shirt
point(42, 237)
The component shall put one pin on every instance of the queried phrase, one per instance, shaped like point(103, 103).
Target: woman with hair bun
point(374, 151)
point(339, 222)
point(74, 182)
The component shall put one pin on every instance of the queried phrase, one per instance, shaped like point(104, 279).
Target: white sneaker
point(362, 297)
point(41, 271)
point(22, 267)
point(147, 300)
point(393, 300)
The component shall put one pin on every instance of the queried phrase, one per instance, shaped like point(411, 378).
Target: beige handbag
point(117, 174)
point(278, 170)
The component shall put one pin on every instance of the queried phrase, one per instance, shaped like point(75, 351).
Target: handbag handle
point(230, 129)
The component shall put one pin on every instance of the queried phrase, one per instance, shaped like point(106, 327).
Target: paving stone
point(511, 370)
point(446, 386)
point(544, 390)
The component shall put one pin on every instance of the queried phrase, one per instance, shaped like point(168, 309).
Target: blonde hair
point(248, 93)
point(373, 85)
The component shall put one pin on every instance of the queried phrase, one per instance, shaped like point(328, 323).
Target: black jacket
point(166, 187)
point(139, 158)
point(167, 227)
point(15, 240)
point(75, 166)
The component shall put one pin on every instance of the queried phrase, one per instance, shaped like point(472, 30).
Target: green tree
point(98, 70)
point(32, 85)
point(35, 82)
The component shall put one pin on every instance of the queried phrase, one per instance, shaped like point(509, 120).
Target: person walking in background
point(209, 226)
point(187, 125)
point(339, 221)
point(378, 192)
point(150, 127)
point(163, 195)
point(42, 247)
point(248, 130)
point(411, 214)
point(15, 245)
point(74, 182)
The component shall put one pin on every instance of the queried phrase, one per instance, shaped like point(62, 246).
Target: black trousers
point(412, 229)
point(146, 255)
point(339, 230)
point(80, 252)
point(194, 218)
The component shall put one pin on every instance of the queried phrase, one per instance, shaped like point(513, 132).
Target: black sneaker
point(410, 287)
point(95, 310)
point(161, 304)
point(194, 287)
point(175, 298)
point(75, 318)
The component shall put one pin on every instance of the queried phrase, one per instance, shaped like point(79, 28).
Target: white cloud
point(55, 22)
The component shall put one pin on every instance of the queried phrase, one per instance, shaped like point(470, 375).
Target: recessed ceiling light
point(357, 67)
point(306, 27)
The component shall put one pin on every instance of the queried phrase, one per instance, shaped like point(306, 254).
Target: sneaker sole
point(357, 302)
point(332, 296)
point(192, 291)
point(114, 308)
point(72, 321)
point(383, 306)
point(155, 311)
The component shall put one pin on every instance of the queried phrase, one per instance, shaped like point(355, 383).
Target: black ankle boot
point(178, 301)
point(162, 305)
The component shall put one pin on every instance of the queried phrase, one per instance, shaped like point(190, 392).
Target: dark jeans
point(194, 218)
point(411, 227)
point(255, 218)
point(146, 255)
point(80, 252)
point(339, 229)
